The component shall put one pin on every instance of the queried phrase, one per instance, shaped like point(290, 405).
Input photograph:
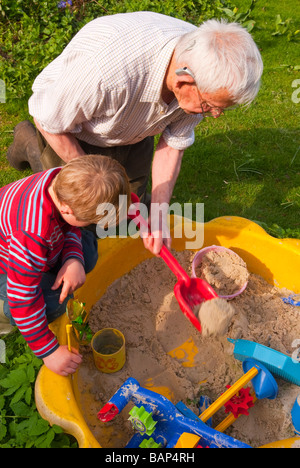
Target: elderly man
point(124, 79)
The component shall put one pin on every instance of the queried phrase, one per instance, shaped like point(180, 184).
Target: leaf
point(45, 440)
point(12, 427)
point(3, 372)
point(2, 403)
point(57, 429)
point(19, 394)
point(228, 12)
point(3, 430)
point(39, 426)
point(249, 25)
point(15, 377)
point(21, 409)
point(31, 373)
point(28, 395)
point(11, 390)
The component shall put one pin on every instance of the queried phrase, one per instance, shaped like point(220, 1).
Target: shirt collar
point(153, 88)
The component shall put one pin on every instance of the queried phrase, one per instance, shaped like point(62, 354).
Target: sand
point(226, 273)
point(166, 352)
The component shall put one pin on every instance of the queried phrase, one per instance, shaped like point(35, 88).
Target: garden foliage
point(21, 426)
point(36, 31)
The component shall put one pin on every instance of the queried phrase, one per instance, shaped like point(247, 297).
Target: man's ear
point(184, 76)
point(182, 80)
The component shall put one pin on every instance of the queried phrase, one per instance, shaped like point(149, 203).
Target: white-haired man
point(124, 79)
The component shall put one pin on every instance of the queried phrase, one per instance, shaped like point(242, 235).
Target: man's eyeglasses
point(206, 109)
point(209, 111)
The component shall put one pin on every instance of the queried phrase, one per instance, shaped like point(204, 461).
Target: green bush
point(21, 426)
point(34, 32)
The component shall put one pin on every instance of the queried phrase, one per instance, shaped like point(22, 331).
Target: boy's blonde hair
point(87, 181)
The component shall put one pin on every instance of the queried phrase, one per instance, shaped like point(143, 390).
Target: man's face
point(192, 101)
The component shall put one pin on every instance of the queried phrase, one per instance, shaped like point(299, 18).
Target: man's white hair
point(222, 55)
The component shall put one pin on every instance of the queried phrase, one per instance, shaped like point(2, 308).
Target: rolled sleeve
point(180, 134)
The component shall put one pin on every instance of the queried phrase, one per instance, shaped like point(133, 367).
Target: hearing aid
point(184, 71)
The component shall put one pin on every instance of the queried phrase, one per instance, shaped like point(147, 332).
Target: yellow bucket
point(108, 347)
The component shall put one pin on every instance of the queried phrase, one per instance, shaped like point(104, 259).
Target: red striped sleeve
point(26, 263)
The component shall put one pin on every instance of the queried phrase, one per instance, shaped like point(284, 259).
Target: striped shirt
point(105, 87)
point(33, 237)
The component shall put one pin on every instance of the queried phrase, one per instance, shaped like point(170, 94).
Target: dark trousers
point(136, 159)
point(53, 308)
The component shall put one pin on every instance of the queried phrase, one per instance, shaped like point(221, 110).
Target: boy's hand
point(72, 275)
point(62, 362)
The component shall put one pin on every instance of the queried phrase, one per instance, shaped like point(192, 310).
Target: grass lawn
point(246, 163)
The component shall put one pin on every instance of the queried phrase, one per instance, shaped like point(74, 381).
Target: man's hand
point(154, 244)
point(160, 234)
point(71, 276)
point(62, 362)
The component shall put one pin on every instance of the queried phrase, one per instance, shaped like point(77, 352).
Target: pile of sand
point(142, 305)
point(225, 272)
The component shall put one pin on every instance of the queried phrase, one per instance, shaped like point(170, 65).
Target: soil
point(166, 353)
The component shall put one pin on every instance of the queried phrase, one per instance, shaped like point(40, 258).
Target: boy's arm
point(71, 276)
point(72, 246)
point(26, 263)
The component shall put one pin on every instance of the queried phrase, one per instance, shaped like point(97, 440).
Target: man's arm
point(65, 145)
point(165, 170)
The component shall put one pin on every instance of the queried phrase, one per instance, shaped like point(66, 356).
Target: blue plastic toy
point(157, 418)
point(296, 415)
point(293, 299)
point(264, 384)
point(278, 363)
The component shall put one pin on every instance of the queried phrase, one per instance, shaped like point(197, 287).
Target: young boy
point(44, 255)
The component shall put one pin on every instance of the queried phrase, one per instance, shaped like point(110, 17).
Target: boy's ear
point(65, 209)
